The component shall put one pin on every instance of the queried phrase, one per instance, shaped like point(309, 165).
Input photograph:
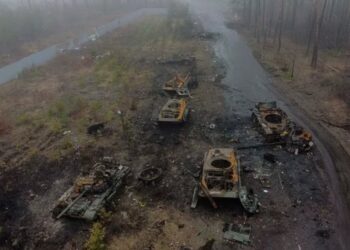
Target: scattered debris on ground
point(239, 233)
point(122, 88)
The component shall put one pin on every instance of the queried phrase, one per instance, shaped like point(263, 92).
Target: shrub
point(97, 237)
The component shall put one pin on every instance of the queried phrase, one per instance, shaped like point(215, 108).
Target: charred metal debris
point(273, 123)
point(237, 232)
point(150, 175)
point(178, 85)
point(219, 176)
point(176, 110)
point(90, 193)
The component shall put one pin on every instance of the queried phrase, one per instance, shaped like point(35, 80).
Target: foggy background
point(23, 22)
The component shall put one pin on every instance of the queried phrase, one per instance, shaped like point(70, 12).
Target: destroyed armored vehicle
point(90, 193)
point(174, 111)
point(299, 140)
point(274, 124)
point(178, 85)
point(220, 178)
point(271, 121)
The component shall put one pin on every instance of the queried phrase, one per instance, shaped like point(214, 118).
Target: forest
point(315, 24)
point(174, 124)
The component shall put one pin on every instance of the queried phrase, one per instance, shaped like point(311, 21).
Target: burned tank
point(90, 193)
point(299, 140)
point(220, 178)
point(276, 127)
point(271, 121)
point(178, 85)
point(174, 111)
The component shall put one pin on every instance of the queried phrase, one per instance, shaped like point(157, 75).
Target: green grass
point(32, 73)
point(109, 85)
point(60, 113)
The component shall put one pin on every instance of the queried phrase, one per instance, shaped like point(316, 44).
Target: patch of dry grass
point(69, 93)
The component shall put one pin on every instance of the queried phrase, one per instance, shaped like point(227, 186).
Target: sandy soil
point(45, 146)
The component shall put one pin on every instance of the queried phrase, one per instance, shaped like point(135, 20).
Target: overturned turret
point(90, 193)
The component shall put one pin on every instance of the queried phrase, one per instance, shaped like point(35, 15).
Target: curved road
point(250, 84)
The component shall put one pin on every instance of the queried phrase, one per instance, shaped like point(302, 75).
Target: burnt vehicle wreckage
point(174, 111)
point(89, 194)
point(273, 123)
point(220, 176)
point(178, 85)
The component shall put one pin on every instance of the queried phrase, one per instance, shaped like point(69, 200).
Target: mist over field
point(174, 124)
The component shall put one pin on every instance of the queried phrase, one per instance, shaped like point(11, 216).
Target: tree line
point(317, 24)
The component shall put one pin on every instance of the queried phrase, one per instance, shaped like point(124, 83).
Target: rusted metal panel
point(174, 111)
point(271, 120)
point(221, 179)
point(178, 85)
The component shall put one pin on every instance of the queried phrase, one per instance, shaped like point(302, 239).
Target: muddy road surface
point(301, 206)
point(246, 83)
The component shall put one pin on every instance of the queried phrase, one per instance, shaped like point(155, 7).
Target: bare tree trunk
point(293, 66)
point(294, 14)
point(317, 34)
point(104, 6)
point(312, 28)
point(280, 27)
point(272, 8)
point(342, 23)
point(257, 21)
point(249, 12)
point(263, 21)
point(330, 15)
point(245, 12)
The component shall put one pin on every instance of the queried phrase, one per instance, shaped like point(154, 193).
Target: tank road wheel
point(150, 175)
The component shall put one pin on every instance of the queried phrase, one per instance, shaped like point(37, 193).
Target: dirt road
point(249, 83)
point(300, 209)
